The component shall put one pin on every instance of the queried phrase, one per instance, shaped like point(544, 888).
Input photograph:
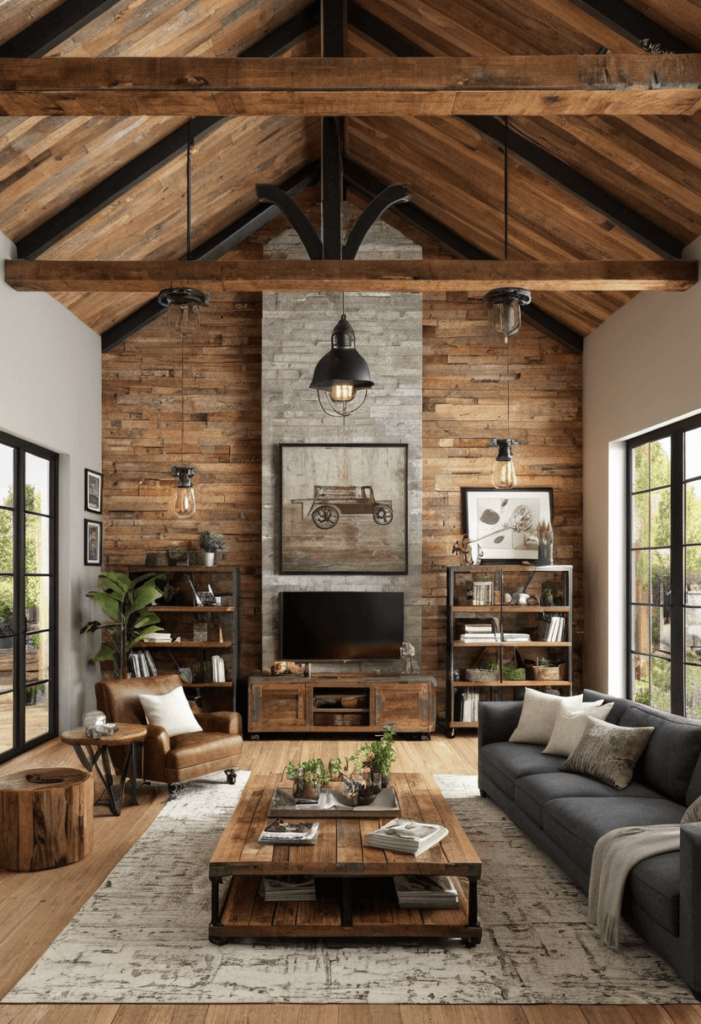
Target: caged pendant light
point(504, 311)
point(183, 305)
point(342, 374)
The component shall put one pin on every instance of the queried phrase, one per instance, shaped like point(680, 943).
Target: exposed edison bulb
point(504, 474)
point(342, 393)
point(184, 503)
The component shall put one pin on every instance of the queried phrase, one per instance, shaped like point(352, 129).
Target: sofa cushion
point(190, 750)
point(672, 753)
point(506, 762)
point(620, 704)
point(170, 710)
point(575, 824)
point(654, 885)
point(692, 813)
point(608, 752)
point(570, 724)
point(538, 716)
point(533, 792)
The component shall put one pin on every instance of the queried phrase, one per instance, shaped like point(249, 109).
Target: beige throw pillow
point(692, 813)
point(570, 723)
point(608, 752)
point(171, 710)
point(538, 716)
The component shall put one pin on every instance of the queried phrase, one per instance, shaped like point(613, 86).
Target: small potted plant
point(542, 668)
point(308, 777)
point(373, 762)
point(210, 543)
point(486, 672)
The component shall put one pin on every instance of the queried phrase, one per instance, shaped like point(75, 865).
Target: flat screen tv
point(340, 625)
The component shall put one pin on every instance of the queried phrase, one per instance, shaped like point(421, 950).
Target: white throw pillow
point(570, 723)
point(538, 716)
point(171, 710)
point(692, 813)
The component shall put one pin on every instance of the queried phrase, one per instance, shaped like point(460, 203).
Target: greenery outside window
point(664, 568)
point(28, 530)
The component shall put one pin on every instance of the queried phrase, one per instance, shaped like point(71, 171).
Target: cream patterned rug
point(142, 938)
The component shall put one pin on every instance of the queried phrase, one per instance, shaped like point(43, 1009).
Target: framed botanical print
point(343, 509)
point(505, 523)
point(92, 541)
point(93, 491)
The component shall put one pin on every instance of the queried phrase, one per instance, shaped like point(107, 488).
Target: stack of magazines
point(289, 889)
point(292, 832)
point(426, 891)
point(405, 836)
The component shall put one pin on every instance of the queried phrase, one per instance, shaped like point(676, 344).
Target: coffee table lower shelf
point(344, 908)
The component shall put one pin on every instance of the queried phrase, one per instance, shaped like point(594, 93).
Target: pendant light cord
point(506, 188)
point(189, 189)
point(508, 403)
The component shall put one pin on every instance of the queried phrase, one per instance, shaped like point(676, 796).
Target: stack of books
point(218, 669)
point(554, 629)
point(295, 833)
point(477, 633)
point(406, 836)
point(159, 638)
point(469, 705)
point(427, 891)
point(141, 663)
point(517, 638)
point(290, 889)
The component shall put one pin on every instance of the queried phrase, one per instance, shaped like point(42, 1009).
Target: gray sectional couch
point(565, 814)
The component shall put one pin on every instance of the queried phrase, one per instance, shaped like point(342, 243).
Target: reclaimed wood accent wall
point(464, 405)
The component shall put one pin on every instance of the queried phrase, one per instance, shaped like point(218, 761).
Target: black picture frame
point(344, 509)
point(503, 522)
point(93, 491)
point(92, 542)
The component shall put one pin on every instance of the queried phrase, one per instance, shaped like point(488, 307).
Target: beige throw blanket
point(615, 854)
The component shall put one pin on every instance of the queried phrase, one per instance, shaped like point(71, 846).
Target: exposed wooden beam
point(350, 275)
point(57, 25)
point(530, 153)
point(38, 241)
point(520, 86)
point(632, 24)
point(369, 186)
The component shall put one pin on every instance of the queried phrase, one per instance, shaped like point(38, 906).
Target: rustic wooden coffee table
point(354, 882)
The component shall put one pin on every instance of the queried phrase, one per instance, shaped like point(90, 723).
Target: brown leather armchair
point(174, 759)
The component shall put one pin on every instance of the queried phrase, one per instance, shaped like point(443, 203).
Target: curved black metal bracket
point(299, 220)
point(373, 211)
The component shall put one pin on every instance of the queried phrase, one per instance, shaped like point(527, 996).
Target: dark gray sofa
point(565, 814)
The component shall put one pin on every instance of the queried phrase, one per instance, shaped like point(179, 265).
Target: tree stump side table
point(47, 818)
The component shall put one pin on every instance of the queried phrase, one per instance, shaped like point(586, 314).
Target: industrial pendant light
point(183, 305)
point(342, 374)
point(504, 310)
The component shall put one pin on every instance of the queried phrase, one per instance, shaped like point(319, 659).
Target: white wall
point(51, 386)
point(642, 368)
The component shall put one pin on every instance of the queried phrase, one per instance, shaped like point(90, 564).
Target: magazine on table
point(427, 891)
point(291, 832)
point(297, 889)
point(406, 836)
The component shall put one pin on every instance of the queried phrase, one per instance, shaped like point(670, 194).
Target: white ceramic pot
point(207, 557)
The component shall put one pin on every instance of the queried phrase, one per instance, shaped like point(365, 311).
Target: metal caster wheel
point(218, 940)
point(174, 789)
point(230, 775)
point(450, 734)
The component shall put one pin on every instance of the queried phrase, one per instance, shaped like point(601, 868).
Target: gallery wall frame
point(93, 491)
point(504, 522)
point(92, 542)
point(343, 509)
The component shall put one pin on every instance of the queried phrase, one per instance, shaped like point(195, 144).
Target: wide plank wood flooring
point(35, 907)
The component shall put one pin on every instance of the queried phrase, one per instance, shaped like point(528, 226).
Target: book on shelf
point(427, 891)
point(517, 638)
point(158, 638)
point(218, 669)
point(297, 889)
point(148, 658)
point(294, 833)
point(406, 836)
point(469, 706)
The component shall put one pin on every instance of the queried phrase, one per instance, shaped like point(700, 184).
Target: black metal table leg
point(216, 911)
point(347, 903)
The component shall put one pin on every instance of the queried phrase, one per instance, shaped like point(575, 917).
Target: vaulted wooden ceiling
point(579, 188)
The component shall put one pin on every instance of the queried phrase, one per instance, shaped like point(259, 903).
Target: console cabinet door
point(411, 706)
point(276, 706)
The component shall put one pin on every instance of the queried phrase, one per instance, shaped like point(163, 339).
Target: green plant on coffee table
point(313, 771)
point(377, 755)
point(126, 602)
point(211, 541)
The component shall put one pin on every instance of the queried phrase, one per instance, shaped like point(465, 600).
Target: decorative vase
point(208, 557)
point(303, 790)
point(545, 552)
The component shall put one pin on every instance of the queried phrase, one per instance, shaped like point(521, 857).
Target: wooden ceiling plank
point(632, 24)
point(351, 275)
point(57, 25)
point(513, 85)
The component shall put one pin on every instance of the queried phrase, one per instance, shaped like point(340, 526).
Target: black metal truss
point(368, 185)
point(59, 24)
point(212, 249)
point(633, 25)
point(135, 171)
point(530, 153)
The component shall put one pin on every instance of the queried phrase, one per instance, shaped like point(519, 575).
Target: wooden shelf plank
point(188, 643)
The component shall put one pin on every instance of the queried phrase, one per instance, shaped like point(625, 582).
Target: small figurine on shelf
point(210, 543)
point(408, 655)
point(463, 549)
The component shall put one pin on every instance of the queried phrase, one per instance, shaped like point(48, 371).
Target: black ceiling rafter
point(369, 186)
point(215, 247)
point(530, 153)
point(44, 35)
point(626, 21)
point(151, 160)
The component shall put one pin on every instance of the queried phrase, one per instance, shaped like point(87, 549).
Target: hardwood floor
point(35, 907)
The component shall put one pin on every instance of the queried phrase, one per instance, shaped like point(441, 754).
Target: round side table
point(47, 818)
point(93, 752)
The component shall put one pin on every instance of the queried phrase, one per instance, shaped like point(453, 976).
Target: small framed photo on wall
point(93, 491)
point(92, 542)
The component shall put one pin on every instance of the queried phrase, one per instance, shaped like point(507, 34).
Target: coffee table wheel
point(218, 940)
point(230, 775)
point(426, 736)
point(470, 943)
point(450, 733)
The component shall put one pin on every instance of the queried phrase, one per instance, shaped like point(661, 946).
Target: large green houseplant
point(125, 602)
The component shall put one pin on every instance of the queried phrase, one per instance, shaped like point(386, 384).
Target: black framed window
point(664, 568)
point(28, 587)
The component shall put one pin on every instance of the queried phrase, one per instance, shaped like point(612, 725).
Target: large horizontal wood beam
point(519, 86)
point(351, 275)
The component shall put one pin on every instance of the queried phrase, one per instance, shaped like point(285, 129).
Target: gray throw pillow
point(608, 752)
point(692, 813)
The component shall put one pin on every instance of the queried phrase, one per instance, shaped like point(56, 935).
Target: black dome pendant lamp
point(342, 374)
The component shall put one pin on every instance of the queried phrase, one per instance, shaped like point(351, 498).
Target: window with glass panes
point(664, 568)
point(28, 697)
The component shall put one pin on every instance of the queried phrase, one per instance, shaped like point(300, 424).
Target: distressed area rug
point(142, 938)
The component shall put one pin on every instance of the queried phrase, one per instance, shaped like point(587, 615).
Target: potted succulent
point(210, 543)
point(126, 603)
point(374, 762)
point(542, 668)
point(486, 672)
point(308, 777)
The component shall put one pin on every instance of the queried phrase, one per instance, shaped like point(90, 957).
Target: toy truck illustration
point(330, 503)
